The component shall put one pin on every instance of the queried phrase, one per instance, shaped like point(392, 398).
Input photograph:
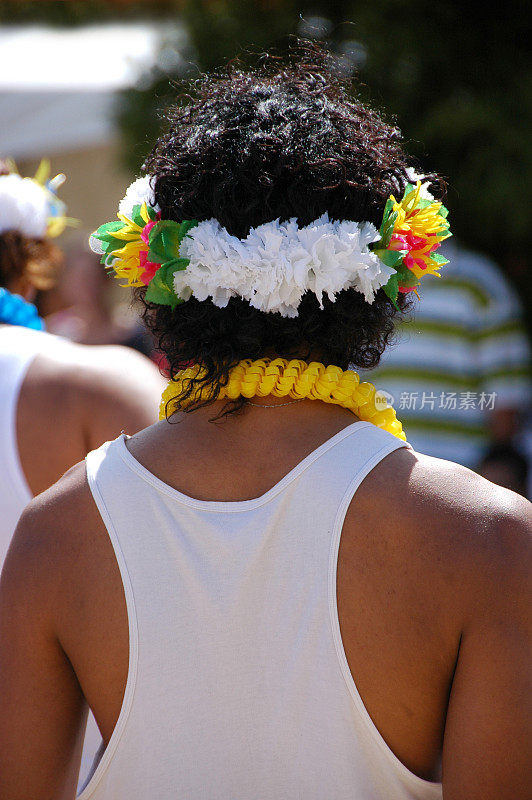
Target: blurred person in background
point(92, 317)
point(459, 372)
point(505, 465)
point(58, 400)
point(284, 599)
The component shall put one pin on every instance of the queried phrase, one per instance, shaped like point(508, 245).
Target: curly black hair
point(282, 141)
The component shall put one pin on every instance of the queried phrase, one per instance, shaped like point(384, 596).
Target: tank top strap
point(335, 468)
point(339, 466)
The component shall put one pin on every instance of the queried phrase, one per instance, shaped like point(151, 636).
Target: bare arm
point(43, 712)
point(63, 638)
point(487, 745)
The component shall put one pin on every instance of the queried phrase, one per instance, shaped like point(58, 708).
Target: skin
point(86, 398)
point(441, 655)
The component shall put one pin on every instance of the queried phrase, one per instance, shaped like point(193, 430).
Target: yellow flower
point(126, 260)
point(419, 228)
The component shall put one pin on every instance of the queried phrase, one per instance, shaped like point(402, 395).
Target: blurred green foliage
point(457, 79)
point(455, 76)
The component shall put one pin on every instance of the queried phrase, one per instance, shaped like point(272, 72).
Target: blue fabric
point(16, 311)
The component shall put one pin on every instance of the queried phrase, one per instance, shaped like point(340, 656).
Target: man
point(275, 597)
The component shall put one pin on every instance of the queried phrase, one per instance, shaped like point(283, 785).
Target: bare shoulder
point(57, 534)
point(113, 369)
point(98, 392)
point(459, 529)
point(122, 386)
point(117, 359)
point(62, 503)
point(447, 499)
point(101, 373)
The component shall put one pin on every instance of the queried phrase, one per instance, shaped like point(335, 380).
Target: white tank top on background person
point(18, 348)
point(238, 685)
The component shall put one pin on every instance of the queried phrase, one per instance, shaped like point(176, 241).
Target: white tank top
point(238, 684)
point(18, 347)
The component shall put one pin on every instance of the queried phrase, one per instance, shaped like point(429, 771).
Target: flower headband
point(31, 205)
point(278, 262)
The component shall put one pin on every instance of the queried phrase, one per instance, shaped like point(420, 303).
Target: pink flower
point(410, 262)
point(145, 233)
point(150, 267)
point(405, 240)
point(397, 242)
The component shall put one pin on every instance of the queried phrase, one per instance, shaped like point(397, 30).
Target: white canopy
point(57, 86)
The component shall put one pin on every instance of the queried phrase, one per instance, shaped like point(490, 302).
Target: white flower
point(414, 178)
point(24, 206)
point(139, 192)
point(277, 263)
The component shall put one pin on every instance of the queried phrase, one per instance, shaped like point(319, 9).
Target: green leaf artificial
point(406, 278)
point(136, 216)
point(402, 278)
point(108, 228)
point(392, 289)
point(385, 217)
point(392, 258)
point(439, 259)
point(112, 243)
point(109, 242)
point(186, 226)
point(161, 288)
point(165, 239)
point(387, 229)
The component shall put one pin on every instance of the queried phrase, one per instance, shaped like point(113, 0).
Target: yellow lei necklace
point(295, 379)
